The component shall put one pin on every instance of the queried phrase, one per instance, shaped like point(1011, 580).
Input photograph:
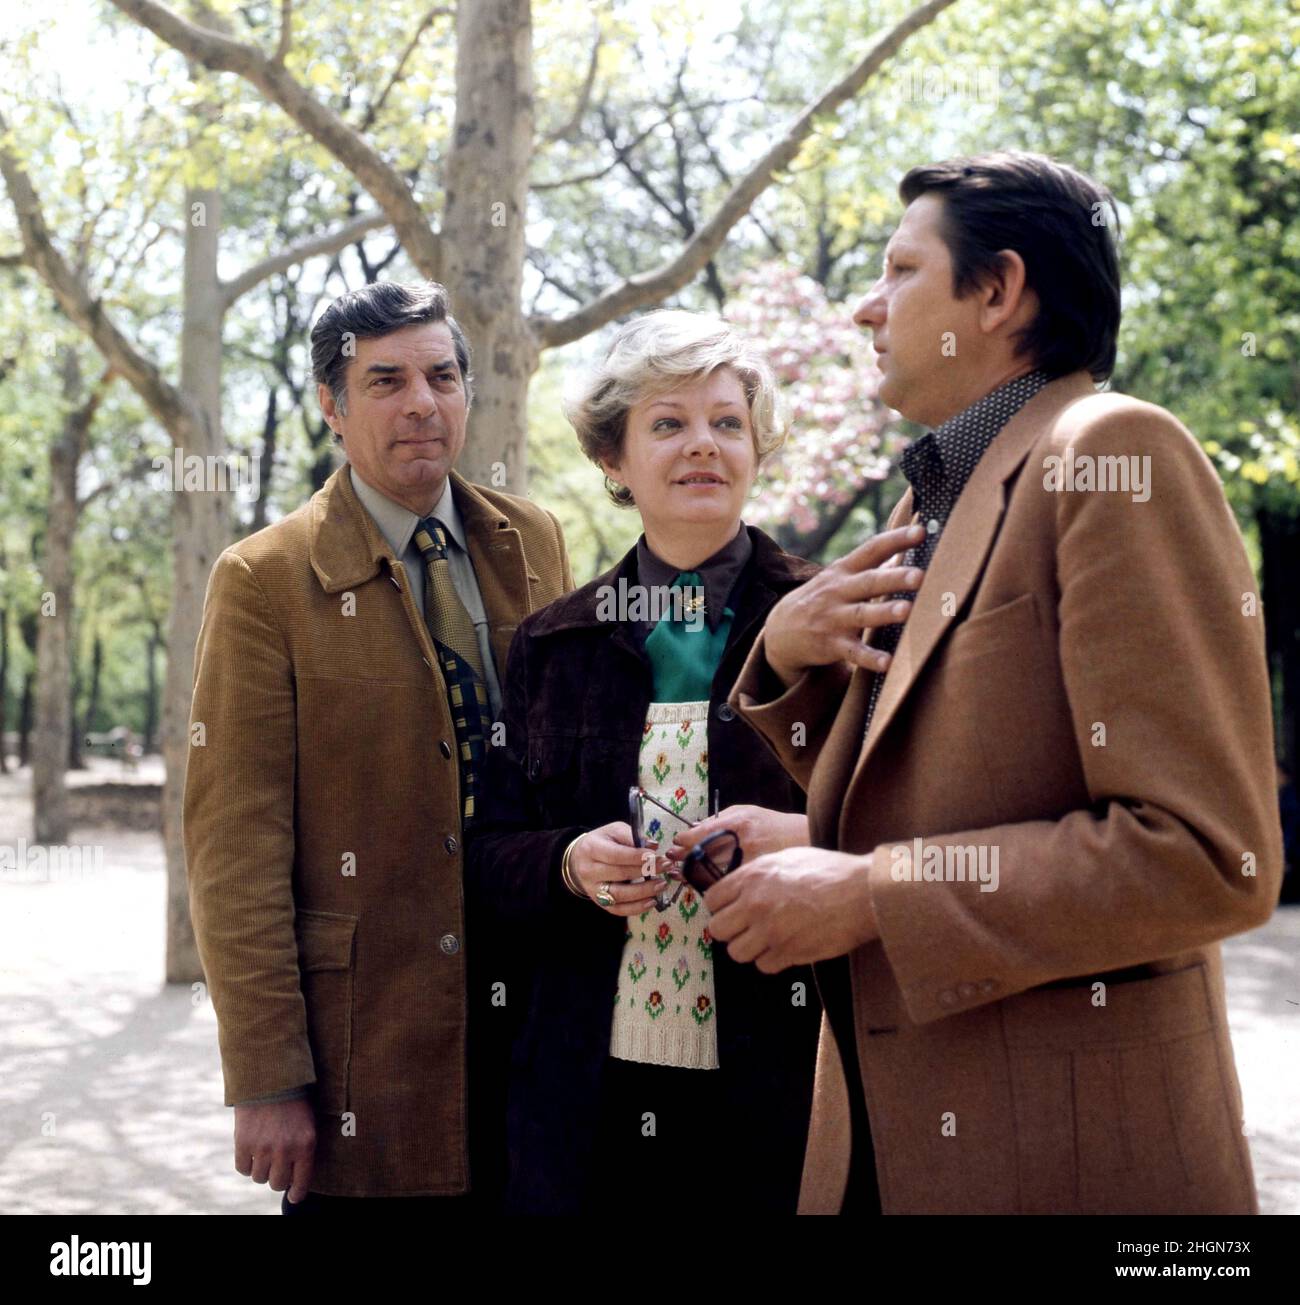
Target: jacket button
point(966, 990)
point(452, 846)
point(445, 748)
point(726, 711)
point(987, 985)
point(947, 997)
point(535, 767)
point(449, 944)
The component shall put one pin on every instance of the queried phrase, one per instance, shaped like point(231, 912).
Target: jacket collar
point(718, 573)
point(347, 548)
point(772, 571)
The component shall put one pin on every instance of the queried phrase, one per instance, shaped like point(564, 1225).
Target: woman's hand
point(607, 858)
point(759, 830)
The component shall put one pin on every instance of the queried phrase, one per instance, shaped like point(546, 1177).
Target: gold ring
point(603, 896)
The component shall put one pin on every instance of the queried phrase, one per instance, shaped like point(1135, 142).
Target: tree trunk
point(79, 727)
point(96, 679)
point(1279, 544)
point(76, 731)
point(4, 673)
point(199, 533)
point(53, 666)
point(26, 704)
point(25, 714)
point(270, 430)
point(483, 230)
point(151, 689)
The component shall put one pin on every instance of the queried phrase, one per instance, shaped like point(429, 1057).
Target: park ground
point(111, 1096)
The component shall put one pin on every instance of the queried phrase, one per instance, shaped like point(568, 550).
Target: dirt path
point(110, 1095)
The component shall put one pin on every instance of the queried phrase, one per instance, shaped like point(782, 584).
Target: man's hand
point(793, 907)
point(759, 830)
point(277, 1141)
point(822, 621)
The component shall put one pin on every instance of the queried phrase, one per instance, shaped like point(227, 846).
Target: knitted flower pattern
point(664, 1010)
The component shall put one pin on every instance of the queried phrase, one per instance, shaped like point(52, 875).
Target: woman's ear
point(611, 471)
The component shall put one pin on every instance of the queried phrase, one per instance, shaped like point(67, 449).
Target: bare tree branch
point(534, 261)
point(173, 411)
point(623, 156)
point(694, 255)
point(221, 53)
point(331, 242)
point(84, 416)
point(438, 11)
point(582, 177)
point(570, 127)
point(286, 32)
point(134, 472)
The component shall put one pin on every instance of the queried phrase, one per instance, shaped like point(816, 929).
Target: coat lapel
point(844, 742)
point(344, 544)
point(497, 551)
point(347, 548)
point(956, 567)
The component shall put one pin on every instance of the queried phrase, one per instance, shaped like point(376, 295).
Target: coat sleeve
point(512, 864)
point(239, 839)
point(1162, 652)
point(793, 722)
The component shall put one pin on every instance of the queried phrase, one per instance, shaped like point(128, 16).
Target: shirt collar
point(958, 443)
point(719, 572)
point(397, 523)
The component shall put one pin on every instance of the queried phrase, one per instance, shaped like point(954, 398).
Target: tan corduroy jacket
point(322, 828)
point(1081, 689)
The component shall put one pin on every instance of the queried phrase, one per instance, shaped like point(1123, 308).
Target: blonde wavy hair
point(652, 355)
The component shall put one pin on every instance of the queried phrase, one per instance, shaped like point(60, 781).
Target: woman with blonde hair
point(647, 1063)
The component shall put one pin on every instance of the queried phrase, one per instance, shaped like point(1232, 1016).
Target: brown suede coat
point(1081, 687)
point(322, 828)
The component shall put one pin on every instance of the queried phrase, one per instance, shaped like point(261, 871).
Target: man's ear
point(1003, 293)
point(325, 397)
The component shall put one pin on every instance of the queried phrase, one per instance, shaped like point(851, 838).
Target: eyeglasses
point(707, 862)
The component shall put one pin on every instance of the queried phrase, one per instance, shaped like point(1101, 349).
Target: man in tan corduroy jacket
point(323, 799)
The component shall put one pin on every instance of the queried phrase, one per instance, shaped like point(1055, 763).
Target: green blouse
point(685, 653)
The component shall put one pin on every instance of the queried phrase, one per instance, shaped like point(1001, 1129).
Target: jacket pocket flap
point(549, 755)
point(1158, 1009)
point(995, 632)
point(324, 940)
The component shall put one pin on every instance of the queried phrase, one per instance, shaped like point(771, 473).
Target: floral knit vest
point(664, 1010)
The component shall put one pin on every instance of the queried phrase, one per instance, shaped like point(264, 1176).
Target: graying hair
point(375, 310)
point(652, 355)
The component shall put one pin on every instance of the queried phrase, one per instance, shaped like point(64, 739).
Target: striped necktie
point(458, 652)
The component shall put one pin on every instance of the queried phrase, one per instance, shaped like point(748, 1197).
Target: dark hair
point(372, 311)
point(1055, 219)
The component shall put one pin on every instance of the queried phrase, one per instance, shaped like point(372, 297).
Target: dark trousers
point(698, 1150)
